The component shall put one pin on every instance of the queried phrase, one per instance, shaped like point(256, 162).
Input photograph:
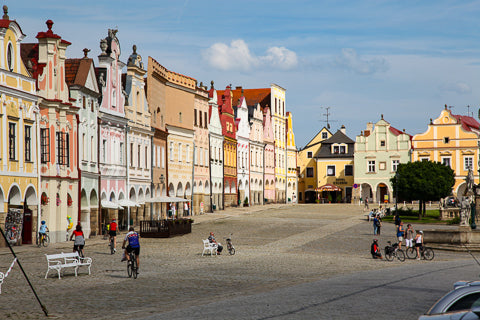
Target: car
point(463, 302)
point(452, 202)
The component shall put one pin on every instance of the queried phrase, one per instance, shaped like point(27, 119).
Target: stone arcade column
point(94, 227)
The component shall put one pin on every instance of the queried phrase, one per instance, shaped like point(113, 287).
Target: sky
point(354, 60)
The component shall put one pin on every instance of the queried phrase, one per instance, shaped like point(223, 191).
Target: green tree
point(423, 181)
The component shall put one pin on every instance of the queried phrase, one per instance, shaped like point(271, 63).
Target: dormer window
point(10, 58)
point(382, 143)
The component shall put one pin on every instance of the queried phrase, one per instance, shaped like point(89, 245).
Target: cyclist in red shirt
point(113, 234)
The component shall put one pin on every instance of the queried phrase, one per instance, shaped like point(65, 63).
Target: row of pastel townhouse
point(334, 168)
point(85, 144)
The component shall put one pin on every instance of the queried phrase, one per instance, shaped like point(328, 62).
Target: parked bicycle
point(44, 239)
point(230, 247)
point(392, 251)
point(425, 252)
point(132, 268)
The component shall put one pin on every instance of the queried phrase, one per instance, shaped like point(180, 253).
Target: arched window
point(10, 57)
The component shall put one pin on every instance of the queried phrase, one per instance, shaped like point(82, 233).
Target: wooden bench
point(60, 261)
point(209, 247)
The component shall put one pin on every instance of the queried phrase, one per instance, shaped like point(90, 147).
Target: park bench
point(209, 247)
point(60, 261)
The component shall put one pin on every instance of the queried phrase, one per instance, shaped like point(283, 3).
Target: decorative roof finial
point(382, 116)
point(134, 49)
point(5, 13)
point(242, 92)
point(49, 24)
point(431, 121)
point(211, 83)
point(445, 106)
point(85, 52)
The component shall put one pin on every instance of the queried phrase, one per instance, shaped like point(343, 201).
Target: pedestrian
point(409, 236)
point(379, 223)
point(185, 208)
point(376, 223)
point(366, 204)
point(419, 243)
point(400, 234)
point(375, 250)
point(397, 219)
point(212, 239)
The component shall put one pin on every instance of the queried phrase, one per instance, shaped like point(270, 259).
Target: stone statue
point(464, 212)
point(469, 181)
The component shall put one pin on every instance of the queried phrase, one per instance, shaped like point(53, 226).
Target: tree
point(423, 181)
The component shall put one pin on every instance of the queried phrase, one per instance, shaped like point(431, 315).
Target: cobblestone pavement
point(277, 246)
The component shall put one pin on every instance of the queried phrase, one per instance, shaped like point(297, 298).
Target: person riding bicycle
point(113, 234)
point(79, 240)
point(42, 232)
point(375, 250)
point(419, 243)
point(133, 245)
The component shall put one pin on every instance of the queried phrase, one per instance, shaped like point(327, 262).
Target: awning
point(328, 187)
point(165, 199)
point(128, 203)
point(110, 205)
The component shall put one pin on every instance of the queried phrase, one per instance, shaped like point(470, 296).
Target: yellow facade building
point(18, 144)
point(452, 140)
point(307, 167)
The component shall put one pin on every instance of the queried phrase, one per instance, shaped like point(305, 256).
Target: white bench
point(60, 261)
point(209, 247)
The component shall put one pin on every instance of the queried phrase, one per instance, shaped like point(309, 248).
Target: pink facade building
point(112, 137)
point(269, 168)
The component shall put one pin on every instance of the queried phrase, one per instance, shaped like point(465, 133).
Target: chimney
point(344, 131)
point(238, 88)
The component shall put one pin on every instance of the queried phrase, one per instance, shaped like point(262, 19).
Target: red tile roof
point(467, 122)
point(76, 71)
point(253, 96)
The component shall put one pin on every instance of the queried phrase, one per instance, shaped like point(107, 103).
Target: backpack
point(372, 248)
point(377, 223)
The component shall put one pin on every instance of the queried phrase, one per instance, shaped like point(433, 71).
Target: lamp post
point(473, 207)
point(396, 191)
point(162, 182)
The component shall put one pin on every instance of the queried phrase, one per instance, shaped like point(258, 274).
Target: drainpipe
point(151, 172)
point(79, 171)
point(223, 169)
point(127, 191)
point(210, 170)
point(263, 174)
point(39, 164)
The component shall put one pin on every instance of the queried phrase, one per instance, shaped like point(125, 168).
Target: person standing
point(419, 243)
point(400, 234)
point(185, 208)
point(409, 236)
point(375, 224)
point(366, 203)
point(379, 224)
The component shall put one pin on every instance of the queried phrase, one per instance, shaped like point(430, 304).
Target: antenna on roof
point(327, 114)
point(468, 111)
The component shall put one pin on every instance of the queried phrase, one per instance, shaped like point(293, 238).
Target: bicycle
point(230, 247)
point(132, 268)
point(44, 240)
point(425, 252)
point(392, 251)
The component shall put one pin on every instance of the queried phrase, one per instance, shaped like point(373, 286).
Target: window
point(330, 170)
point(63, 148)
point(121, 152)
point(28, 143)
point(324, 135)
point(466, 302)
point(309, 154)
point(206, 120)
point(425, 159)
point(395, 164)
point(163, 157)
point(138, 156)
point(187, 153)
point(206, 157)
point(84, 142)
point(446, 161)
point(179, 152)
point(131, 154)
point(146, 157)
point(104, 150)
point(44, 145)
point(84, 102)
point(336, 149)
point(446, 139)
point(382, 143)
point(343, 149)
point(348, 170)
point(195, 116)
point(10, 56)
point(467, 163)
point(170, 150)
point(92, 106)
point(309, 172)
point(180, 117)
point(200, 118)
point(371, 166)
point(12, 139)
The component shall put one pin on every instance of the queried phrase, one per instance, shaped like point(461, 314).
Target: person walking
point(79, 243)
point(419, 243)
point(379, 225)
point(376, 223)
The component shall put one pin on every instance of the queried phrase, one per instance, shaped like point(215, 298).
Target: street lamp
point(396, 191)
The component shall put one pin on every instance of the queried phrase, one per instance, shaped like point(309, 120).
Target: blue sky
point(403, 59)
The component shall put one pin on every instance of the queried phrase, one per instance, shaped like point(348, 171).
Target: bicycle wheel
point(129, 268)
point(46, 241)
point(134, 268)
point(231, 251)
point(388, 255)
point(411, 253)
point(428, 253)
point(400, 255)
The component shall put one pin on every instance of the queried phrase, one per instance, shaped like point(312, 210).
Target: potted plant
point(245, 202)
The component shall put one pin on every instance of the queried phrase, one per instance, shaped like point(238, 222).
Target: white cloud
point(457, 87)
point(237, 56)
point(350, 60)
